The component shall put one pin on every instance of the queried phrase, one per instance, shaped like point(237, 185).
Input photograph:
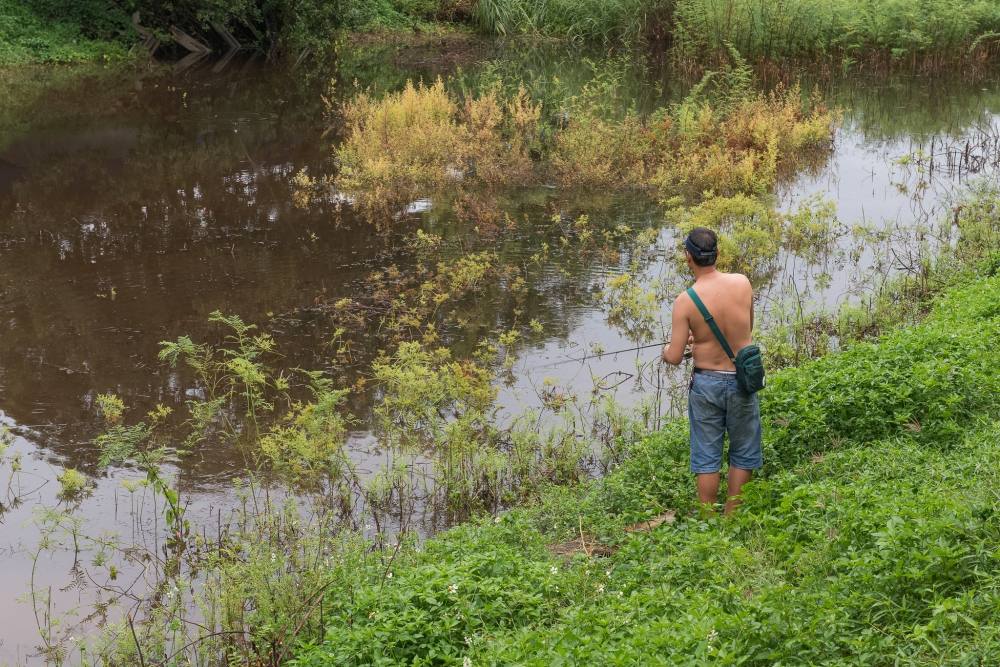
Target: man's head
point(701, 247)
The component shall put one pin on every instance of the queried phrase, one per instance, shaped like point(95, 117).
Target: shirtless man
point(716, 405)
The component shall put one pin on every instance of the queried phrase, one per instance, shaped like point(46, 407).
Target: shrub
point(743, 149)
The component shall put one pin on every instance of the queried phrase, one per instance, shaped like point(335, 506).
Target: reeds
point(914, 31)
point(597, 20)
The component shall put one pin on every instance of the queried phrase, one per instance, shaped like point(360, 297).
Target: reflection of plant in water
point(633, 305)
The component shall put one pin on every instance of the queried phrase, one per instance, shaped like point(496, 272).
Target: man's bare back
point(729, 298)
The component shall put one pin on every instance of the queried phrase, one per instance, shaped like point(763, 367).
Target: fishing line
point(687, 355)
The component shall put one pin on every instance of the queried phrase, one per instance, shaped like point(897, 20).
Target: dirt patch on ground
point(592, 548)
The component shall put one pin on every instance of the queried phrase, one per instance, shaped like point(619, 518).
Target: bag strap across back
point(711, 324)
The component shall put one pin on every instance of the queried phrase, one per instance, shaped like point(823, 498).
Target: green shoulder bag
point(748, 361)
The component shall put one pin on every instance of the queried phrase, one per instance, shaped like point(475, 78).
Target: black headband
point(698, 251)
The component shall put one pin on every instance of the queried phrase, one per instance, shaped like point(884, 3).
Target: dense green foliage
point(574, 19)
point(53, 31)
point(943, 29)
point(71, 31)
point(872, 539)
point(921, 31)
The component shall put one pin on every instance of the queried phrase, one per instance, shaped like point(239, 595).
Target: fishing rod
point(604, 354)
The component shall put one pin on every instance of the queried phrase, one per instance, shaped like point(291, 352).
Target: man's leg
point(737, 478)
point(745, 456)
point(707, 417)
point(708, 487)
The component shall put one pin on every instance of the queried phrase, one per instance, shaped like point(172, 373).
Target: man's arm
point(680, 331)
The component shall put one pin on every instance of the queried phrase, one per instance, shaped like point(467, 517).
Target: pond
point(134, 204)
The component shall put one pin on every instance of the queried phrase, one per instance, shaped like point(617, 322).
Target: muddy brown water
point(132, 205)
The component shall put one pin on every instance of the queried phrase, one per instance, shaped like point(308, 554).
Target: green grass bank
point(870, 539)
point(50, 31)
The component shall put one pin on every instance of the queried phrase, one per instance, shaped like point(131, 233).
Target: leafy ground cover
point(35, 32)
point(871, 539)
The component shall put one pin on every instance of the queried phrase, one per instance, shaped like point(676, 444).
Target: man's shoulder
point(738, 280)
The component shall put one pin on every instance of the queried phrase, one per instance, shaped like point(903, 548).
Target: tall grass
point(573, 19)
point(938, 30)
point(944, 30)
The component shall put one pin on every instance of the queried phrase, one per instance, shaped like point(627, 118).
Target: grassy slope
point(871, 541)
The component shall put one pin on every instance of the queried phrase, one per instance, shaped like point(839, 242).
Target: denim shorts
point(717, 406)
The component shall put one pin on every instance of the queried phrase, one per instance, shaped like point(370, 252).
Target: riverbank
point(871, 534)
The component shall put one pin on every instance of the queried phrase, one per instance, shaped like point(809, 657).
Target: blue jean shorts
point(716, 406)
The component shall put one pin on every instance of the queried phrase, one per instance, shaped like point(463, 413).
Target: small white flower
point(621, 594)
point(607, 573)
point(388, 575)
point(712, 636)
point(468, 640)
point(497, 519)
point(466, 661)
point(600, 588)
point(554, 570)
point(452, 588)
point(274, 557)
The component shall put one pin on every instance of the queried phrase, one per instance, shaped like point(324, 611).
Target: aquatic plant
point(71, 482)
point(421, 139)
point(723, 137)
point(752, 233)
